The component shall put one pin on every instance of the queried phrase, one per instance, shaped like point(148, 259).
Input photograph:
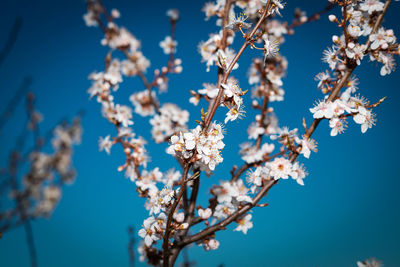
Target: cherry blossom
point(365, 117)
point(168, 45)
point(244, 224)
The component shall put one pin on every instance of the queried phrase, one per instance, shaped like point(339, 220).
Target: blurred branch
point(131, 246)
point(186, 261)
point(13, 169)
point(7, 113)
point(316, 16)
point(12, 37)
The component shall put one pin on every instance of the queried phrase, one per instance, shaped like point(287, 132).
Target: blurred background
point(347, 211)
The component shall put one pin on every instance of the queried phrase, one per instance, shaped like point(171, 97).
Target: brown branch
point(314, 17)
point(344, 24)
point(170, 215)
point(223, 44)
point(217, 100)
point(344, 79)
point(263, 114)
point(189, 218)
point(149, 88)
point(222, 225)
point(247, 166)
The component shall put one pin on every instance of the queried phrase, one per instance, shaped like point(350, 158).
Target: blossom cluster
point(172, 212)
point(204, 147)
point(40, 189)
point(348, 51)
point(171, 120)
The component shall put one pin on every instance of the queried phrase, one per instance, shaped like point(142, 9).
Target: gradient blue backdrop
point(347, 211)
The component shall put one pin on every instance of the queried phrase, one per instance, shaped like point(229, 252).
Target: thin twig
point(12, 38)
point(170, 216)
point(217, 100)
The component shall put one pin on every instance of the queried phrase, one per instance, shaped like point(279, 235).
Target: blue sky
point(348, 210)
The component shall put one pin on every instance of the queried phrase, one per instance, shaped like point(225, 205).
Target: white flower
point(323, 79)
point(271, 48)
point(356, 52)
point(173, 14)
point(276, 5)
point(337, 125)
point(205, 214)
point(243, 192)
point(210, 90)
point(280, 168)
point(179, 217)
point(105, 144)
point(170, 121)
point(256, 177)
point(382, 39)
point(149, 231)
point(255, 130)
point(371, 5)
point(168, 45)
point(253, 75)
point(125, 132)
point(115, 13)
point(223, 210)
point(389, 63)
point(225, 58)
point(210, 9)
point(208, 146)
point(307, 145)
point(90, 19)
point(299, 173)
point(322, 110)
point(142, 252)
point(364, 117)
point(234, 113)
point(339, 107)
point(370, 263)
point(130, 172)
point(143, 103)
point(354, 30)
point(238, 22)
point(190, 142)
point(251, 154)
point(123, 115)
point(113, 74)
point(276, 28)
point(167, 194)
point(275, 78)
point(285, 136)
point(330, 57)
point(244, 224)
point(225, 192)
point(211, 244)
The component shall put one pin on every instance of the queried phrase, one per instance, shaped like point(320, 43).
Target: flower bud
point(178, 69)
point(333, 18)
point(115, 13)
point(336, 39)
point(178, 61)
